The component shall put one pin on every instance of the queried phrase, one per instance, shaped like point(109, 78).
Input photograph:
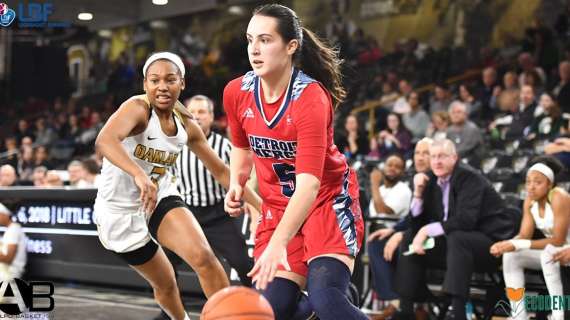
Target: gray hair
point(459, 104)
point(427, 140)
point(75, 163)
point(201, 97)
point(446, 144)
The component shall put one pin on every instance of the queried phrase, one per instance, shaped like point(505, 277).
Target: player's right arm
point(130, 118)
point(241, 157)
point(241, 163)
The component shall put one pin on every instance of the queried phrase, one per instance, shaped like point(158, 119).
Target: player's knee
point(204, 260)
point(325, 300)
point(165, 288)
point(510, 261)
point(546, 260)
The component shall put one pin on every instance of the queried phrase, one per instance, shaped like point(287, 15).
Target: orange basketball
point(237, 303)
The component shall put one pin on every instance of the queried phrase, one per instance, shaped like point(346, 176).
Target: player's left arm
point(221, 172)
point(312, 119)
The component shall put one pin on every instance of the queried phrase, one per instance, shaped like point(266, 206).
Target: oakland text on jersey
point(155, 155)
point(272, 148)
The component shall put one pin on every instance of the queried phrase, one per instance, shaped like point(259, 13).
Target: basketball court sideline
point(94, 303)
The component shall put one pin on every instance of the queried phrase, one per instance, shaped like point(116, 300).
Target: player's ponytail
point(320, 61)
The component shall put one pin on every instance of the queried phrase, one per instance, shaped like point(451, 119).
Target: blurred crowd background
point(491, 75)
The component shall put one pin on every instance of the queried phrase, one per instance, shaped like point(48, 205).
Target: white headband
point(544, 169)
point(165, 55)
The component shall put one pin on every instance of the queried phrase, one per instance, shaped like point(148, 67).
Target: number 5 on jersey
point(286, 174)
point(156, 173)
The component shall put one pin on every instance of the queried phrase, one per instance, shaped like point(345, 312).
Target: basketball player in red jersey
point(281, 118)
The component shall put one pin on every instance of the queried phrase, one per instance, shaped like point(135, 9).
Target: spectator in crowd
point(383, 243)
point(13, 254)
point(509, 89)
point(391, 196)
point(396, 138)
point(461, 210)
point(53, 179)
point(8, 176)
point(41, 157)
point(91, 173)
point(27, 141)
point(437, 129)
point(474, 107)
point(533, 79)
point(510, 81)
point(12, 152)
point(72, 131)
point(527, 64)
point(463, 132)
point(61, 125)
point(23, 130)
point(546, 209)
point(26, 163)
point(549, 120)
point(45, 136)
point(517, 124)
point(76, 173)
point(401, 105)
point(488, 84)
point(353, 141)
point(39, 176)
point(560, 149)
point(389, 96)
point(441, 98)
point(417, 120)
point(562, 90)
point(89, 134)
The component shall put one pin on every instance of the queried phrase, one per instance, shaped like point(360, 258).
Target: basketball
point(237, 303)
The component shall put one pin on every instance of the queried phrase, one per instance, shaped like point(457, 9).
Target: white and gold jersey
point(156, 153)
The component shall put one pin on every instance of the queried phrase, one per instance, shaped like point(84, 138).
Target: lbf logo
point(17, 296)
point(36, 13)
point(7, 15)
point(31, 15)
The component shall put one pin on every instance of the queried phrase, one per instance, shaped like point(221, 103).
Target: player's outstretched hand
point(148, 192)
point(233, 204)
point(266, 266)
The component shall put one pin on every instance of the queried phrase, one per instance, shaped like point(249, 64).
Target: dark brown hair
point(315, 58)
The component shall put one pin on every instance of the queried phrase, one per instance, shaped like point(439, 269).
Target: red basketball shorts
point(334, 225)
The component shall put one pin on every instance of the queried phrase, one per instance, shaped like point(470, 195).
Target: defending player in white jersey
point(137, 204)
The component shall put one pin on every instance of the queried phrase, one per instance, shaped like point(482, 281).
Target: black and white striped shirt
point(196, 184)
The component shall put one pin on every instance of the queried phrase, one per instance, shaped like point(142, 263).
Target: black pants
point(459, 253)
point(224, 237)
point(228, 242)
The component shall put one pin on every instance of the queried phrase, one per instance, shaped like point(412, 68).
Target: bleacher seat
point(504, 179)
point(495, 159)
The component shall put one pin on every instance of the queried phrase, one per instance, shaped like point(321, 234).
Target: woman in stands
point(281, 116)
point(138, 203)
point(396, 138)
point(546, 209)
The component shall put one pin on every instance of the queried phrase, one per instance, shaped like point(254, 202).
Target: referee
point(205, 197)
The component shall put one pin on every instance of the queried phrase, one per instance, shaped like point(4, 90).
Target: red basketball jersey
point(291, 136)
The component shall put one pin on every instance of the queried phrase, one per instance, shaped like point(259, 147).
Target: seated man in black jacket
point(459, 208)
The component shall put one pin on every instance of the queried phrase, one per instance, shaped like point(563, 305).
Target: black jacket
point(474, 205)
